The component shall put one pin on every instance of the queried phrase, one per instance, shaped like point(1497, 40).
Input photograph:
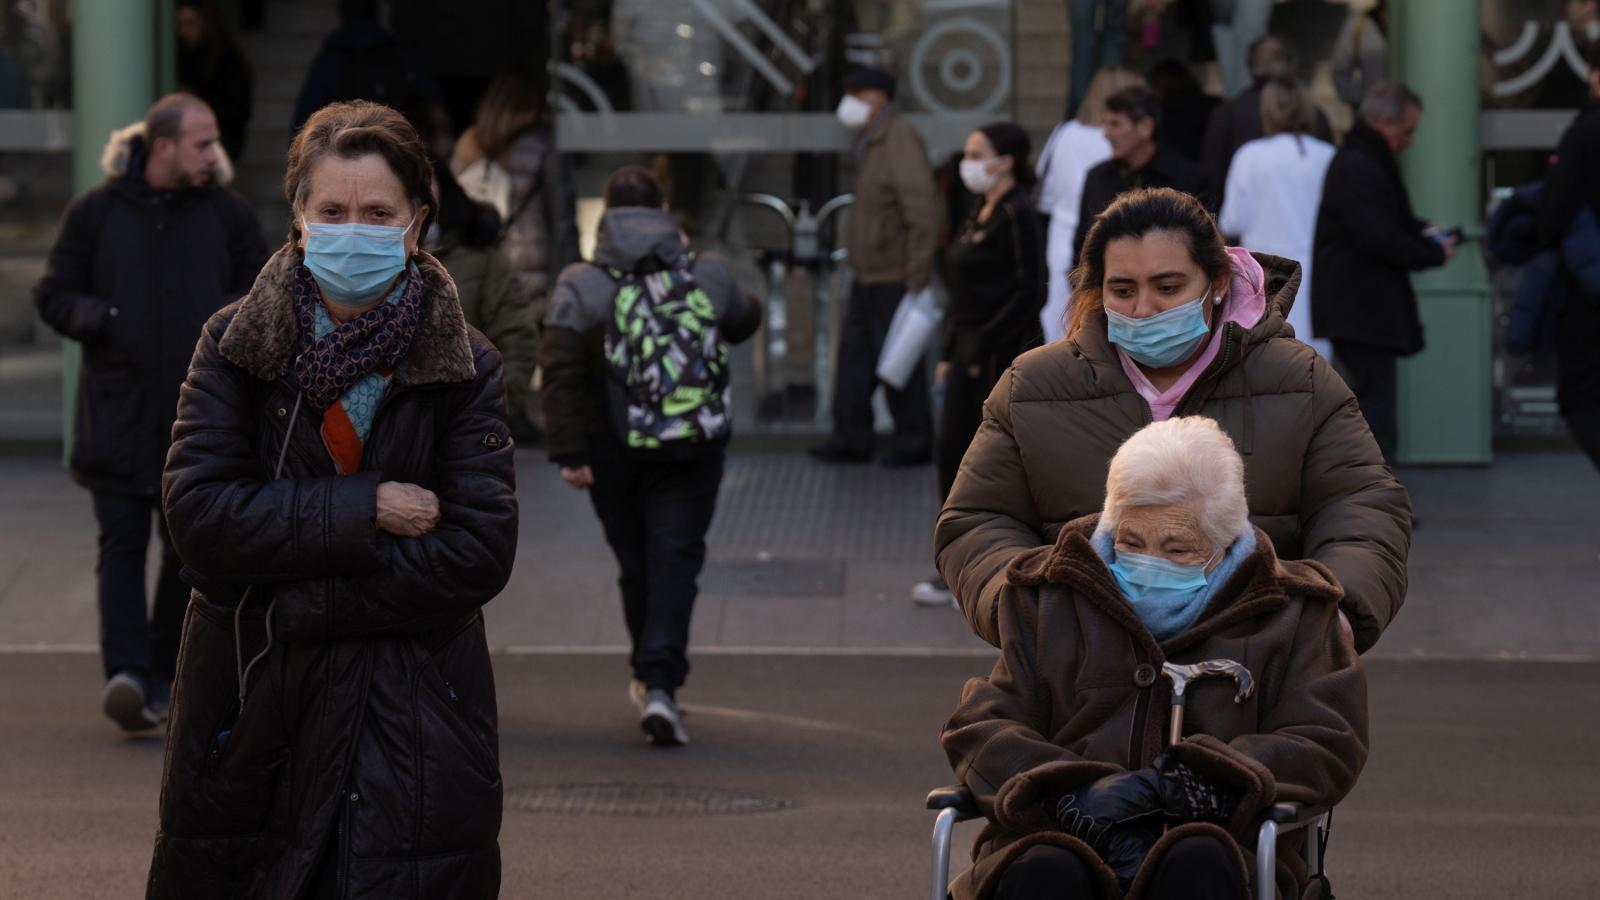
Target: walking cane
point(1182, 676)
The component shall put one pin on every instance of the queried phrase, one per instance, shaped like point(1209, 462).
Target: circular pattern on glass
point(962, 69)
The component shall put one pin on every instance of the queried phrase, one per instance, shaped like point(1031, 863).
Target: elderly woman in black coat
point(340, 488)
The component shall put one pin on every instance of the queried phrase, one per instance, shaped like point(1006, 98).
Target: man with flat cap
point(890, 239)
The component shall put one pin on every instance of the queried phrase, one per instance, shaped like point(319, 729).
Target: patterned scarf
point(342, 370)
point(378, 338)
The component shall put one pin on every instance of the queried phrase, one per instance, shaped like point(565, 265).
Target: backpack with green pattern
point(668, 363)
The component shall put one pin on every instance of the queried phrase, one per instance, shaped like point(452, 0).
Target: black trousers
point(655, 516)
point(1578, 370)
point(1195, 868)
point(866, 324)
point(1373, 375)
point(965, 389)
point(134, 636)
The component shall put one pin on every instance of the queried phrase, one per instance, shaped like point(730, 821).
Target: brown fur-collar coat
point(364, 760)
point(1076, 694)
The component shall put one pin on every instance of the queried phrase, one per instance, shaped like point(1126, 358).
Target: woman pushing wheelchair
point(1070, 747)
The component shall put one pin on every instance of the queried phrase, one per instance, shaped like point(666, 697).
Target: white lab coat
point(1273, 192)
point(1073, 149)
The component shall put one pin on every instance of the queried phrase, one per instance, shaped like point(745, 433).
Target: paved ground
point(1481, 783)
point(819, 685)
point(1505, 564)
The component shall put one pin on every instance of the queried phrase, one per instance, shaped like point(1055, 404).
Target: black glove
point(1120, 816)
point(1187, 797)
point(1124, 799)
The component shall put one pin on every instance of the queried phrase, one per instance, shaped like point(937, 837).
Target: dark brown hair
point(1134, 215)
point(352, 130)
point(633, 186)
point(1008, 139)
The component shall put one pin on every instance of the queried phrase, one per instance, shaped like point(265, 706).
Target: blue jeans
point(655, 516)
point(134, 637)
point(1094, 48)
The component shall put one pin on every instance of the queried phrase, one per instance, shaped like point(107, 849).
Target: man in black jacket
point(1368, 241)
point(1139, 159)
point(139, 265)
point(1573, 182)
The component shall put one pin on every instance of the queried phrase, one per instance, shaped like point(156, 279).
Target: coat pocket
point(224, 763)
point(458, 756)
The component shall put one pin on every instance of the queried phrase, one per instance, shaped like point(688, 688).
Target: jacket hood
point(1261, 583)
point(124, 156)
point(263, 338)
point(631, 234)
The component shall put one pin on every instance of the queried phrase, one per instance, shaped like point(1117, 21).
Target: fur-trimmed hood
point(125, 151)
point(263, 337)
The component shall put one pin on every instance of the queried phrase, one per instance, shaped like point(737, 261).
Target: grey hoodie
point(629, 236)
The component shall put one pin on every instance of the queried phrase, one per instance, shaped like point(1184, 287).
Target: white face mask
point(977, 176)
point(853, 112)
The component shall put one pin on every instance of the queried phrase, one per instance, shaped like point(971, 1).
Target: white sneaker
point(637, 693)
point(123, 701)
point(661, 721)
point(933, 592)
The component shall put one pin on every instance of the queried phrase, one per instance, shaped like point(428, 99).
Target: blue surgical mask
point(355, 263)
point(1167, 596)
point(1164, 339)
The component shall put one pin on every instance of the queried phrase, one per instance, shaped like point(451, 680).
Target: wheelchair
point(955, 804)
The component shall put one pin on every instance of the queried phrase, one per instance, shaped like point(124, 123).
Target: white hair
point(1188, 461)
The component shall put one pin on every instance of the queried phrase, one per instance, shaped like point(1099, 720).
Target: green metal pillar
point(115, 78)
point(1445, 399)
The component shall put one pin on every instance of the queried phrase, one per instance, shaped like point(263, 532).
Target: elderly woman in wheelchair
point(1104, 758)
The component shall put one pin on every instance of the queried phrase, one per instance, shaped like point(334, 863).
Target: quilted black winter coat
point(364, 761)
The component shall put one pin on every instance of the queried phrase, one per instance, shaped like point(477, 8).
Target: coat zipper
point(1230, 339)
point(344, 845)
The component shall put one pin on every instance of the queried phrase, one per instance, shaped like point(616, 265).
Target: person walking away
point(508, 159)
point(342, 491)
point(1099, 34)
point(1168, 321)
point(652, 473)
point(1139, 159)
point(464, 237)
point(1185, 107)
point(995, 297)
point(1073, 148)
point(140, 263)
point(1238, 120)
point(1573, 183)
point(891, 237)
point(1368, 241)
point(212, 67)
point(1361, 54)
point(361, 60)
point(1265, 204)
point(1236, 25)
